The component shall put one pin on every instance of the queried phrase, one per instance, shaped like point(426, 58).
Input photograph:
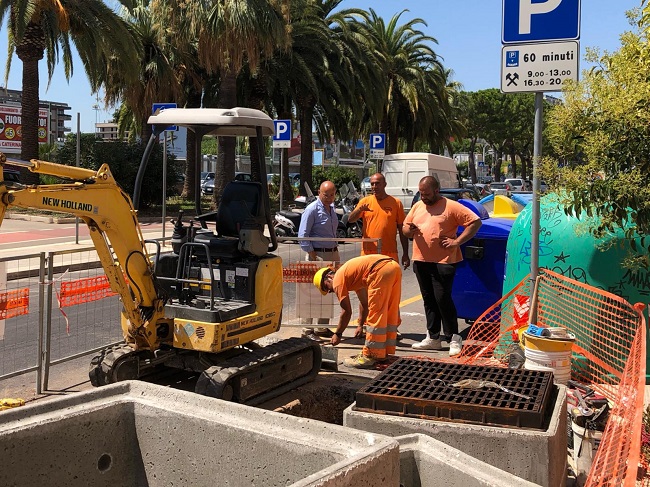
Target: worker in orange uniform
point(383, 216)
point(377, 280)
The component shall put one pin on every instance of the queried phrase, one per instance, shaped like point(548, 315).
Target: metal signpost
point(155, 108)
point(377, 147)
point(534, 60)
point(282, 140)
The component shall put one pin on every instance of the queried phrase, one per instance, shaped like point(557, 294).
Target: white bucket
point(557, 362)
point(585, 444)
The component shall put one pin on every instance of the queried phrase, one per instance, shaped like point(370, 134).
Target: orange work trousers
point(384, 295)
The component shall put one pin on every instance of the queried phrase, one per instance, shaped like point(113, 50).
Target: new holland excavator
point(201, 306)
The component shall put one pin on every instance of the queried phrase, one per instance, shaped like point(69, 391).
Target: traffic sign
point(159, 107)
point(282, 134)
point(481, 164)
point(533, 21)
point(529, 68)
point(377, 146)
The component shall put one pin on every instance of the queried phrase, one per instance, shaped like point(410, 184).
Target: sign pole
point(537, 154)
point(164, 185)
point(281, 177)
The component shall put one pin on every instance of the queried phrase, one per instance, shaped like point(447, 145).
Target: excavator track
point(262, 374)
point(118, 363)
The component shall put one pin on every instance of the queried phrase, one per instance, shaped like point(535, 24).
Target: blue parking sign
point(164, 106)
point(377, 141)
point(545, 20)
point(282, 134)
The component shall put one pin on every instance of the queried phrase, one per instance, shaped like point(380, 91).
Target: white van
point(404, 171)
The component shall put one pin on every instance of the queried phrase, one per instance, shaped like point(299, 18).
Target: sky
point(468, 34)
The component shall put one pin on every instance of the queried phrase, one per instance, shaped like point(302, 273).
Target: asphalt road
point(96, 323)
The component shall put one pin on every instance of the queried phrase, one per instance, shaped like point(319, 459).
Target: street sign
point(156, 107)
point(533, 21)
point(538, 67)
point(481, 164)
point(282, 134)
point(377, 146)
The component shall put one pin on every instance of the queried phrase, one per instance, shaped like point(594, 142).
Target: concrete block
point(426, 462)
point(139, 434)
point(534, 455)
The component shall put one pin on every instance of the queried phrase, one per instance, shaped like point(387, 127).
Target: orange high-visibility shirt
point(381, 221)
point(441, 219)
point(354, 274)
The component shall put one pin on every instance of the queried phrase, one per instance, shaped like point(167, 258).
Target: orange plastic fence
point(300, 272)
point(84, 290)
point(14, 303)
point(609, 354)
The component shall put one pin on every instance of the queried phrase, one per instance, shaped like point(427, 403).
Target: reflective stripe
point(376, 330)
point(375, 345)
point(392, 328)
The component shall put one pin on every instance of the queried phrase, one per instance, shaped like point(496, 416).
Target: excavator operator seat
point(240, 222)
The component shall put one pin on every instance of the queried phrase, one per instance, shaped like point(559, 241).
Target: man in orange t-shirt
point(382, 217)
point(377, 281)
point(433, 224)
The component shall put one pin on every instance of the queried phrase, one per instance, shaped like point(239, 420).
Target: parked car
point(481, 189)
point(242, 176)
point(208, 187)
point(499, 187)
point(365, 185)
point(516, 184)
point(11, 175)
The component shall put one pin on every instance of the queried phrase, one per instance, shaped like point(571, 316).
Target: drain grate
point(423, 389)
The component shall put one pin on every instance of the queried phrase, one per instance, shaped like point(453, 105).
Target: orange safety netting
point(14, 303)
point(609, 354)
point(300, 272)
point(84, 290)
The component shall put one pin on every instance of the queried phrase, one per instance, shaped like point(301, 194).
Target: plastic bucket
point(547, 344)
point(585, 444)
point(557, 362)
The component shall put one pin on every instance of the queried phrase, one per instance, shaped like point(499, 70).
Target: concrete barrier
point(425, 461)
point(133, 433)
point(534, 455)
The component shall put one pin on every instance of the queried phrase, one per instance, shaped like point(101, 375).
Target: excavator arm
point(96, 198)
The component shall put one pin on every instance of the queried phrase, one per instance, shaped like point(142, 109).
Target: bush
point(337, 174)
point(124, 160)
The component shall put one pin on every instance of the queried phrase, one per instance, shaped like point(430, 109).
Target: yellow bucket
point(543, 344)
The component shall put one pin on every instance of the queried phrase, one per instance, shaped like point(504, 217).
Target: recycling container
point(479, 277)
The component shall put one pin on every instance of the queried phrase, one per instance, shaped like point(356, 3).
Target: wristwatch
point(340, 335)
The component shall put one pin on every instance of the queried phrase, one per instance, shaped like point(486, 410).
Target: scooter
point(349, 200)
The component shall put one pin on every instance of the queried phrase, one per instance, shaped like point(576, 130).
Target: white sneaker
point(428, 344)
point(455, 345)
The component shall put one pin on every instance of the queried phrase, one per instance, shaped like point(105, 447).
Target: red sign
point(11, 127)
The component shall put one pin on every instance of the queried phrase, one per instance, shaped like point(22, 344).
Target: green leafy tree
point(42, 27)
point(602, 133)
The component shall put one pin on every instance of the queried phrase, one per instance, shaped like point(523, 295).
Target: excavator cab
point(223, 286)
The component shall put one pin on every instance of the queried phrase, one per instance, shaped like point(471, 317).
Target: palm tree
point(39, 27)
point(404, 54)
point(230, 34)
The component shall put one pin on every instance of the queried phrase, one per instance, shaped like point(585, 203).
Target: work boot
point(323, 332)
point(360, 362)
point(455, 345)
point(428, 344)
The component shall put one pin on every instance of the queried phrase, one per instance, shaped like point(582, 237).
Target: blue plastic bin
point(479, 277)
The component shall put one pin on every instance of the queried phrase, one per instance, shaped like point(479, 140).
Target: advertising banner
point(11, 128)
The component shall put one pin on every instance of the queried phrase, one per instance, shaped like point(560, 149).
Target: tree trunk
point(192, 166)
point(472, 162)
point(225, 170)
point(306, 142)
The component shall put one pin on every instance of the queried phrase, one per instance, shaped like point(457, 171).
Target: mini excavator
point(202, 306)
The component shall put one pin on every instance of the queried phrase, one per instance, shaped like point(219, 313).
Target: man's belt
point(333, 249)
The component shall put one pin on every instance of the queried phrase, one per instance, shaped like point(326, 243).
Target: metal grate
point(424, 389)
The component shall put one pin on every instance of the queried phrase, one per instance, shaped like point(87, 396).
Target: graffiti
point(575, 273)
point(637, 279)
point(561, 257)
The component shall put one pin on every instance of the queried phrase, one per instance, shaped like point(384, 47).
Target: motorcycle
point(287, 222)
point(349, 200)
